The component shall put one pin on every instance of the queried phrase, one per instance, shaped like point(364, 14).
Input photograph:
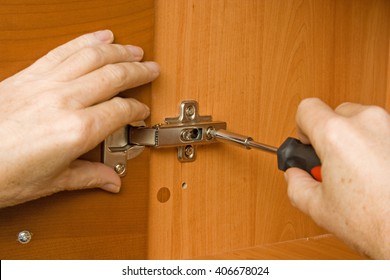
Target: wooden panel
point(250, 63)
point(325, 247)
point(89, 224)
point(83, 224)
point(387, 106)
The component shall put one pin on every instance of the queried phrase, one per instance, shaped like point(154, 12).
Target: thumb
point(304, 192)
point(83, 174)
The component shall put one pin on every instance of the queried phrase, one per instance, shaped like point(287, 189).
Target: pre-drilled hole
point(163, 195)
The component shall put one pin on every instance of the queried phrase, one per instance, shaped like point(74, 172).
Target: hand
point(353, 200)
point(61, 107)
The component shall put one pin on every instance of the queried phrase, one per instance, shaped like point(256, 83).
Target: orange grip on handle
point(316, 173)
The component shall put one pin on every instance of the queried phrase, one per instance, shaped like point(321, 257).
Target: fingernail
point(153, 67)
point(110, 188)
point(104, 35)
point(136, 51)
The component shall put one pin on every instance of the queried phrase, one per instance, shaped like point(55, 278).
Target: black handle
point(293, 153)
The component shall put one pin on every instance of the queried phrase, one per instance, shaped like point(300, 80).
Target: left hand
point(61, 107)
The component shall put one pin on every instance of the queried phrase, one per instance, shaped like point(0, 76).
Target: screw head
point(190, 111)
point(120, 168)
point(189, 151)
point(24, 237)
point(210, 133)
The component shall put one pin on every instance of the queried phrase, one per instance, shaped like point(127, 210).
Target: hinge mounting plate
point(185, 131)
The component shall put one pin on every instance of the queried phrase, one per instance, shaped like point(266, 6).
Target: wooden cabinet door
point(250, 63)
point(89, 224)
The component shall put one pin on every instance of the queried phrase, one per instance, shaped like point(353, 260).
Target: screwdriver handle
point(293, 153)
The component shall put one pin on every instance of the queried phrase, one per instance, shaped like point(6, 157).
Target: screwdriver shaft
point(263, 147)
point(240, 140)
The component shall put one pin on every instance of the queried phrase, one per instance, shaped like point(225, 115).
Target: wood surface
point(250, 63)
point(387, 106)
point(84, 224)
point(323, 247)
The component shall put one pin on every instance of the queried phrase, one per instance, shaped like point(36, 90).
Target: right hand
point(353, 200)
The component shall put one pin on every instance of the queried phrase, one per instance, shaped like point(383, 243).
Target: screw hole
point(163, 195)
point(184, 186)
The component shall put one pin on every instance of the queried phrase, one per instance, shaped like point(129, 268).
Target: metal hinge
point(183, 132)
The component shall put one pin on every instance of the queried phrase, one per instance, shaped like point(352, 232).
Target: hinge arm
point(184, 132)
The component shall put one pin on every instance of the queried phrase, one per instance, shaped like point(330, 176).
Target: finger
point(92, 58)
point(349, 109)
point(304, 192)
point(61, 53)
point(104, 83)
point(83, 174)
point(312, 115)
point(107, 117)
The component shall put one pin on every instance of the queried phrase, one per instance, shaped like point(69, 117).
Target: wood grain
point(387, 105)
point(250, 63)
point(324, 247)
point(85, 224)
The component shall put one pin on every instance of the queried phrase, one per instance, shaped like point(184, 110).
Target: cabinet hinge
point(184, 132)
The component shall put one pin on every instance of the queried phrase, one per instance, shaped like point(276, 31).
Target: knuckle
point(117, 74)
point(332, 128)
point(374, 114)
point(142, 69)
point(122, 107)
point(55, 56)
point(141, 74)
point(120, 50)
point(130, 109)
point(342, 105)
point(117, 71)
point(93, 54)
point(304, 105)
point(372, 120)
point(78, 129)
point(308, 102)
point(104, 53)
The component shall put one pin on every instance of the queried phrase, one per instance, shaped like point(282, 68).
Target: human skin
point(353, 200)
point(61, 107)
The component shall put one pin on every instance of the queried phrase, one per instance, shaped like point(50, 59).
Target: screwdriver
point(292, 153)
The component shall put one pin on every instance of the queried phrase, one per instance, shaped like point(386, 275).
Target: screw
point(189, 151)
point(24, 237)
point(190, 111)
point(191, 134)
point(120, 168)
point(186, 135)
point(210, 133)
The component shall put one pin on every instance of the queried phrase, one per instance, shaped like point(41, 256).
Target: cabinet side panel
point(250, 63)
